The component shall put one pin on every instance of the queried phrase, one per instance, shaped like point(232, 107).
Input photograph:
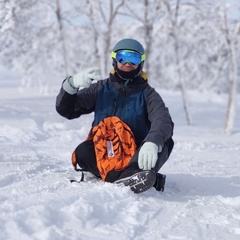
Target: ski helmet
point(129, 44)
point(133, 45)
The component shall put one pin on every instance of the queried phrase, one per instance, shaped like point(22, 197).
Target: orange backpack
point(114, 145)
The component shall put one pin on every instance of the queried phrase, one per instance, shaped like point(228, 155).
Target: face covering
point(128, 75)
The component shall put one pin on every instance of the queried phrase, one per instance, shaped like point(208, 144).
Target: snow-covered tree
point(47, 40)
point(232, 39)
point(30, 42)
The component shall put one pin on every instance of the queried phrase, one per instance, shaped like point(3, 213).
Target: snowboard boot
point(138, 182)
point(160, 182)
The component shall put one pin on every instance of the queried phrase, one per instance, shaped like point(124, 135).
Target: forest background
point(190, 44)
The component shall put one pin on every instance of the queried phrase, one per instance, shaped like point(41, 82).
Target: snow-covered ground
point(37, 201)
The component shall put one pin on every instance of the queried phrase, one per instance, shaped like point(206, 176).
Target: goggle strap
point(114, 54)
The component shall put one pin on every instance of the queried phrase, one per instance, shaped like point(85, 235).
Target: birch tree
point(108, 20)
point(58, 12)
point(232, 42)
point(101, 16)
point(174, 33)
point(144, 17)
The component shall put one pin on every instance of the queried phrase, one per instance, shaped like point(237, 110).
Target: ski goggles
point(127, 56)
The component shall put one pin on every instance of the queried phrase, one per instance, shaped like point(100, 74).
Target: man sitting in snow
point(131, 135)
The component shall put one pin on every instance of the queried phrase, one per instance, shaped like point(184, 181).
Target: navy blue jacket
point(137, 104)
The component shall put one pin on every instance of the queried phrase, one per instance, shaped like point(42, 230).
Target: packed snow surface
point(37, 201)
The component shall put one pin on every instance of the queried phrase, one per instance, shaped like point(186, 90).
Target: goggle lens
point(131, 57)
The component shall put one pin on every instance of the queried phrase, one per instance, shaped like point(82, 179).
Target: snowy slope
point(201, 199)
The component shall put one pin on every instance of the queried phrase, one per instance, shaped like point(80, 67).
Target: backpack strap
point(82, 176)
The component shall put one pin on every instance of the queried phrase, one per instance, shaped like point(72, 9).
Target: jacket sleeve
point(161, 125)
point(82, 102)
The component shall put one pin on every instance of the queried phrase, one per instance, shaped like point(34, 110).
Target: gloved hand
point(85, 78)
point(148, 155)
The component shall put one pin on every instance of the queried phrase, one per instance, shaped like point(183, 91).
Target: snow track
point(37, 201)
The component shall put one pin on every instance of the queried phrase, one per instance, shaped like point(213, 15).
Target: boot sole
point(139, 182)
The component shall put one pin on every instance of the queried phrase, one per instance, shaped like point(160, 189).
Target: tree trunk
point(230, 116)
point(174, 22)
point(62, 36)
